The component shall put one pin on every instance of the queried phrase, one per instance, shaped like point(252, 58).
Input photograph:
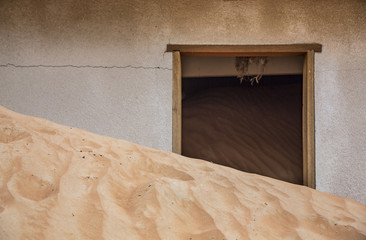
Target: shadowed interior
point(256, 129)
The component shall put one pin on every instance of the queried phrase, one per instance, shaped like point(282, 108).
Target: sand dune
point(252, 129)
point(58, 182)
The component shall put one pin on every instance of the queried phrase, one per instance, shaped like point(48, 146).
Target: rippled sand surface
point(253, 129)
point(58, 182)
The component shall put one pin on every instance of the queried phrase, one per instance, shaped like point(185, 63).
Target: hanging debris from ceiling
point(242, 67)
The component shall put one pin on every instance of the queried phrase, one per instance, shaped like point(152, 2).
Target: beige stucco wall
point(102, 66)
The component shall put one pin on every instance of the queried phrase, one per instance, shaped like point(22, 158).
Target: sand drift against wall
point(58, 182)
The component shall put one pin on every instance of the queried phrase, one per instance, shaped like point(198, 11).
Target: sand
point(58, 182)
point(253, 129)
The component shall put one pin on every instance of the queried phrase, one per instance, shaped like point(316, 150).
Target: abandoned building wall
point(102, 66)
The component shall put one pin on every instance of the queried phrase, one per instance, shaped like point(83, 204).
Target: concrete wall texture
point(102, 66)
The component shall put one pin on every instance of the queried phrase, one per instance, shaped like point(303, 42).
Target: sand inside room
point(256, 127)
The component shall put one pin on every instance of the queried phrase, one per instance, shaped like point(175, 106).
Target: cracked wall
point(102, 66)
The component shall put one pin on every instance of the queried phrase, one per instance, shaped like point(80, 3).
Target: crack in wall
point(83, 66)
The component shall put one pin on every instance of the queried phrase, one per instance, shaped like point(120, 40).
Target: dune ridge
point(58, 182)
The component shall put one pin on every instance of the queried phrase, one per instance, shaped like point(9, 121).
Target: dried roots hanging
point(242, 67)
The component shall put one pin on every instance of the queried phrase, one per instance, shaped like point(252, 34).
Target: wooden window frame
point(308, 112)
